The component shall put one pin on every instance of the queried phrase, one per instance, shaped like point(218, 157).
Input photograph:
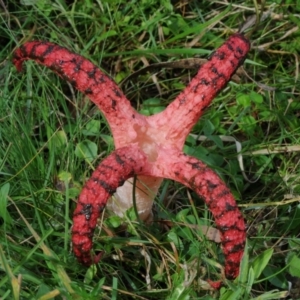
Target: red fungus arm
point(84, 76)
point(183, 113)
point(110, 174)
point(191, 172)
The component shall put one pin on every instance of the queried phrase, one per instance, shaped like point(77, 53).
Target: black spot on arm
point(229, 46)
point(195, 165)
point(113, 104)
point(220, 55)
point(211, 185)
point(109, 189)
point(49, 50)
point(78, 64)
point(88, 91)
point(91, 74)
point(230, 207)
point(204, 81)
point(119, 160)
point(33, 54)
point(117, 93)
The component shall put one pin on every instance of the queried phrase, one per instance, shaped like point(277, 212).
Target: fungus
point(148, 146)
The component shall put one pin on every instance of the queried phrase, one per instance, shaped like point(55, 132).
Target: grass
point(45, 123)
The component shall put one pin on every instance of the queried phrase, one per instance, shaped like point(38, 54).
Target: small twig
point(279, 149)
point(268, 204)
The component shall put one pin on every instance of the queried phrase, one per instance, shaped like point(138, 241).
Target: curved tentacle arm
point(182, 114)
point(207, 184)
point(110, 174)
point(84, 76)
point(171, 163)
